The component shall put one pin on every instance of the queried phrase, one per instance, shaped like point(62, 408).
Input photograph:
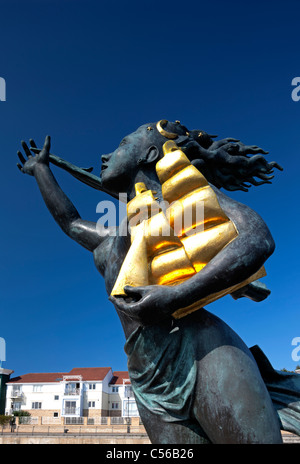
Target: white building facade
point(95, 393)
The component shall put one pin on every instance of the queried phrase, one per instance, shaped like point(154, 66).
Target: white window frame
point(16, 390)
point(17, 405)
point(34, 403)
point(37, 388)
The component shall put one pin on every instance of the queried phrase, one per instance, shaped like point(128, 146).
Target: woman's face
point(120, 167)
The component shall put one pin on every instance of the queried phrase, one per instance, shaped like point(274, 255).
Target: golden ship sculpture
point(164, 249)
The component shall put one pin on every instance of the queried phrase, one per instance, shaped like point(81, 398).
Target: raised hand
point(28, 165)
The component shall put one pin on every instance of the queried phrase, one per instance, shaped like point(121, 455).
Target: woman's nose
point(105, 158)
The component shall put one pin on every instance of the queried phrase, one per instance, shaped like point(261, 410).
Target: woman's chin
point(109, 184)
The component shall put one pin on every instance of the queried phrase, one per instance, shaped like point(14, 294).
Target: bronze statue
point(194, 379)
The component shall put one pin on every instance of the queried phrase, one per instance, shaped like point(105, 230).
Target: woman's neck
point(151, 182)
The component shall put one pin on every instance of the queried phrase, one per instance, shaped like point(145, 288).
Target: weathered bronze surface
point(194, 379)
point(166, 249)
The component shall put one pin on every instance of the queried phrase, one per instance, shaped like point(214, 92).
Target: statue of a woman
point(194, 379)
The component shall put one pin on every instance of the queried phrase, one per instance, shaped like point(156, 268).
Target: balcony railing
point(103, 420)
point(74, 420)
point(120, 420)
point(16, 394)
point(72, 411)
point(28, 420)
point(72, 391)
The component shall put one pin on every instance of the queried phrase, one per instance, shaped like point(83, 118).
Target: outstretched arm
point(62, 209)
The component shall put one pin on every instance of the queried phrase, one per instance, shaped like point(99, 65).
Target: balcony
point(72, 411)
point(17, 394)
point(71, 408)
point(73, 385)
point(72, 391)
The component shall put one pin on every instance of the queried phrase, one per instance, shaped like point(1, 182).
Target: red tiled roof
point(90, 373)
point(87, 373)
point(118, 377)
point(38, 377)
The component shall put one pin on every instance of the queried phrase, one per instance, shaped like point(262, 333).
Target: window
point(91, 404)
point(56, 397)
point(55, 414)
point(70, 407)
point(92, 386)
point(115, 405)
point(37, 388)
point(17, 390)
point(130, 408)
point(36, 405)
point(115, 389)
point(128, 392)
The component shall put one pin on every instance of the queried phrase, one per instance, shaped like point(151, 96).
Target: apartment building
point(92, 392)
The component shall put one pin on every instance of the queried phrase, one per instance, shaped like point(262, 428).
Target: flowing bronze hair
point(226, 163)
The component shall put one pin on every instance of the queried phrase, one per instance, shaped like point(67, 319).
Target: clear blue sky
point(89, 72)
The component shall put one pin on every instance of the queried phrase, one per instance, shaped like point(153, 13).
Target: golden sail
point(169, 247)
